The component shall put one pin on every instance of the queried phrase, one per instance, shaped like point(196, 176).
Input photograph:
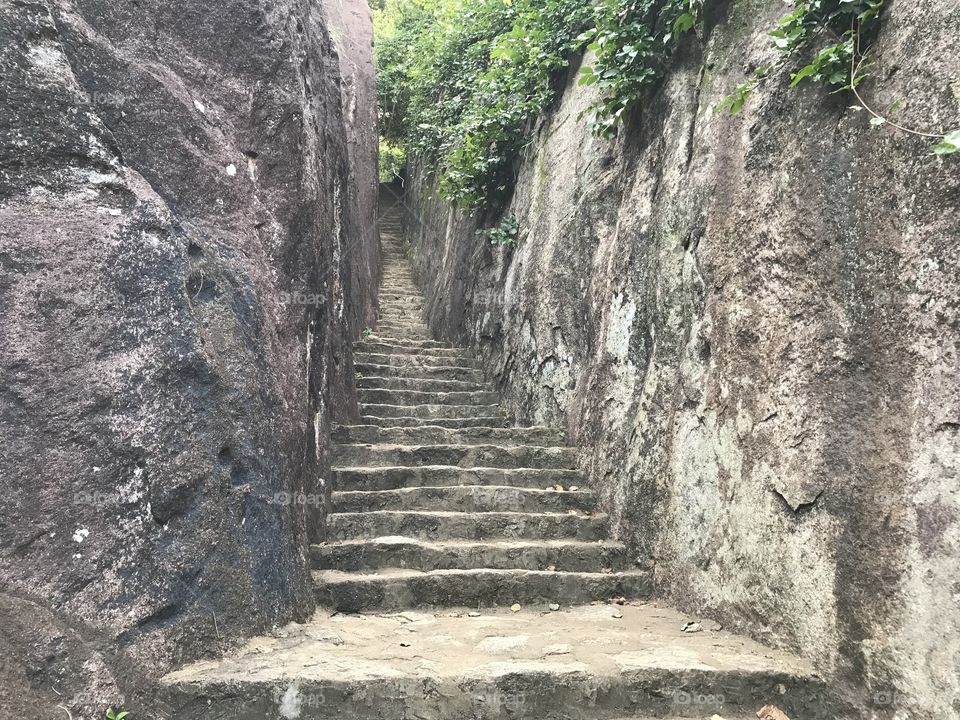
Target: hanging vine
point(843, 30)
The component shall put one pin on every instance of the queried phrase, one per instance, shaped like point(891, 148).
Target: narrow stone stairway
point(438, 501)
point(468, 574)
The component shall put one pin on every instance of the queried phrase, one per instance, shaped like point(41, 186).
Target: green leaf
point(683, 23)
point(949, 145)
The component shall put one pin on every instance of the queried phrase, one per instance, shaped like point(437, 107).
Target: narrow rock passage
point(468, 573)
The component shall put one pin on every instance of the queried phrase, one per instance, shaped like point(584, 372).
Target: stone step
point(420, 385)
point(403, 321)
point(399, 326)
point(398, 316)
point(402, 326)
point(452, 422)
point(399, 303)
point(465, 456)
point(395, 588)
point(404, 342)
point(392, 478)
point(396, 325)
point(386, 294)
point(400, 300)
point(466, 499)
point(403, 552)
point(583, 662)
point(431, 434)
point(476, 412)
point(397, 348)
point(397, 361)
point(386, 396)
point(421, 372)
point(438, 525)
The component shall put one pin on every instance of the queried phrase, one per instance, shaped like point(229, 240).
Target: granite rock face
point(751, 325)
point(186, 254)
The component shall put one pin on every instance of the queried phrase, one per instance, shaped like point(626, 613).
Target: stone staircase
point(439, 502)
point(468, 574)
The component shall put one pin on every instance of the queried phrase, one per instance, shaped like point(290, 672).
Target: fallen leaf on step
point(772, 712)
point(571, 512)
point(552, 568)
point(515, 607)
point(558, 488)
point(620, 600)
point(404, 644)
point(554, 606)
point(473, 613)
point(574, 488)
point(618, 613)
point(606, 571)
point(692, 627)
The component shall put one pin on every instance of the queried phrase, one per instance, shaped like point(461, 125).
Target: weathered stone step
point(431, 411)
point(403, 552)
point(399, 326)
point(419, 384)
point(383, 347)
point(391, 478)
point(437, 525)
point(387, 396)
point(442, 372)
point(505, 456)
point(397, 317)
point(401, 315)
point(591, 662)
point(395, 589)
point(405, 342)
point(400, 301)
point(414, 321)
point(451, 422)
point(399, 286)
point(446, 436)
point(396, 324)
point(405, 308)
point(417, 332)
point(467, 499)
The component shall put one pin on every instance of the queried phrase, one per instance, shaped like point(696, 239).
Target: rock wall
point(186, 253)
point(751, 327)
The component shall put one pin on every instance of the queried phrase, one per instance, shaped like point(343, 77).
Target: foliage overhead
point(461, 82)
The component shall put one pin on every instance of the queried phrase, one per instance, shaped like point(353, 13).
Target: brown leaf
point(772, 712)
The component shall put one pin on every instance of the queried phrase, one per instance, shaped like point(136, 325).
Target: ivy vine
point(838, 33)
